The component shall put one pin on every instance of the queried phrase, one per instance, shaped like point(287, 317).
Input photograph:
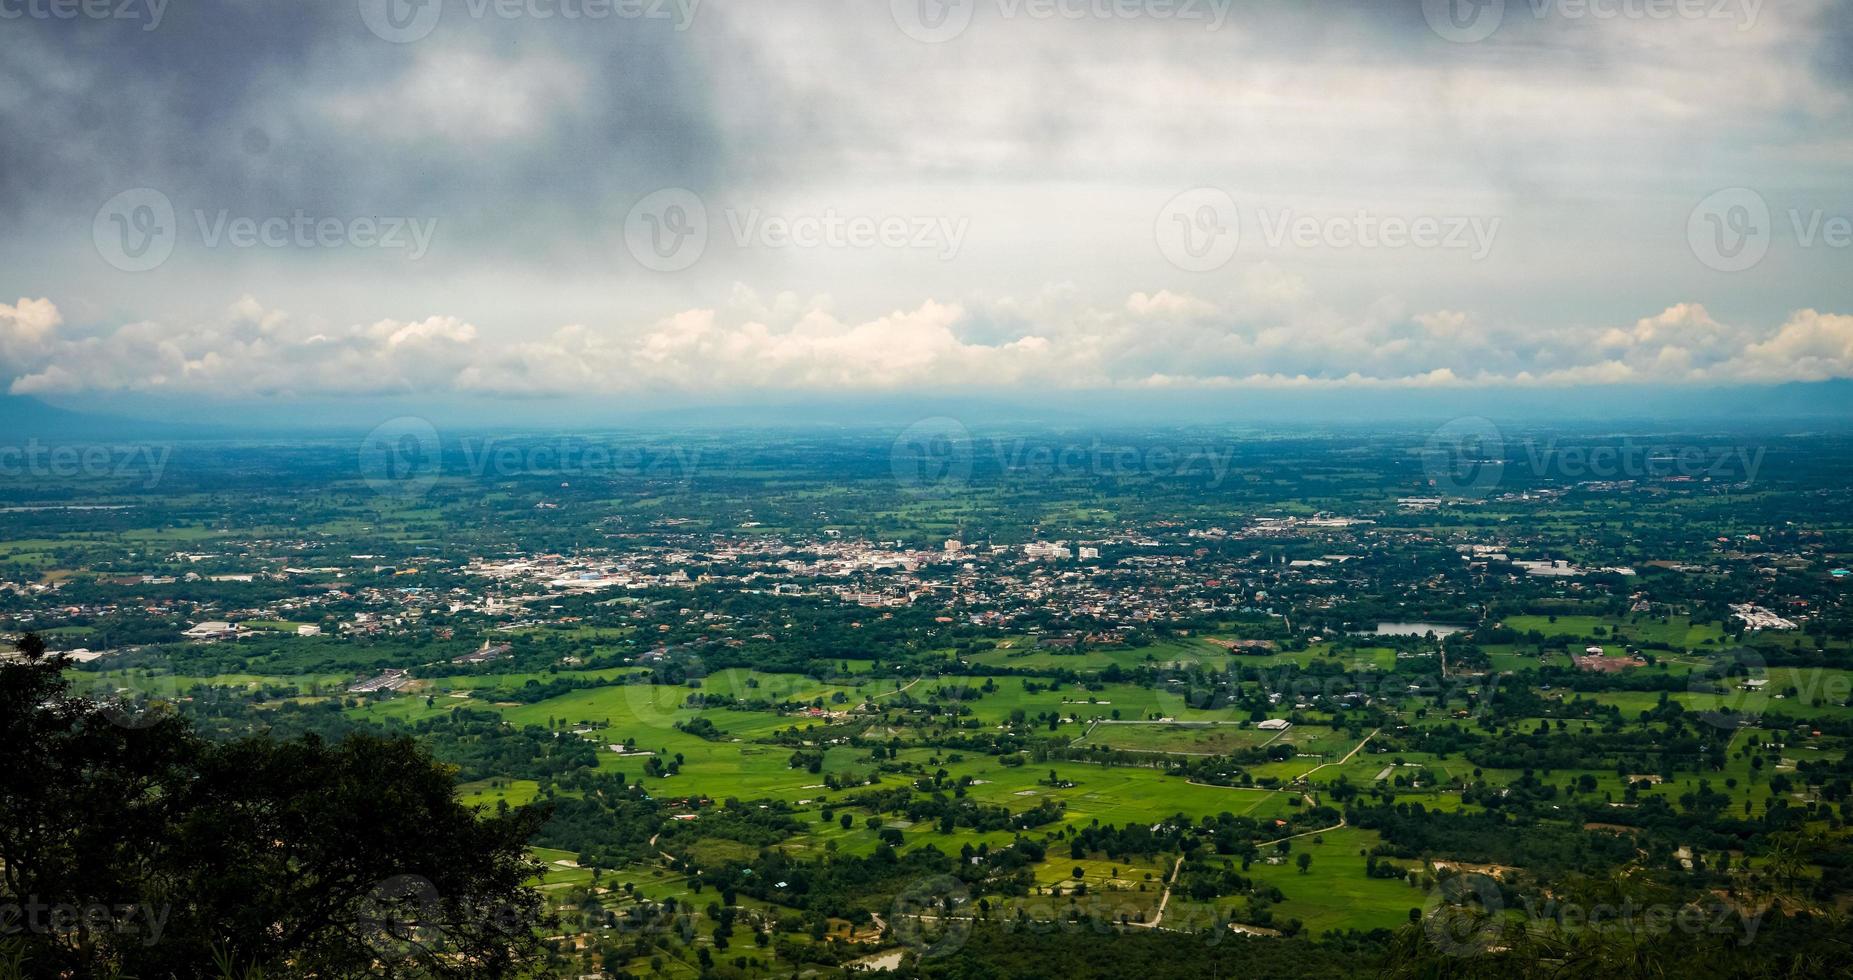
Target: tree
point(298, 858)
point(32, 647)
point(1305, 861)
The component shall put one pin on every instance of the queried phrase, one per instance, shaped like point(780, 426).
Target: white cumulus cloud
point(1162, 340)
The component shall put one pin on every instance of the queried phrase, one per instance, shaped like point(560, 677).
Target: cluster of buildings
point(1156, 572)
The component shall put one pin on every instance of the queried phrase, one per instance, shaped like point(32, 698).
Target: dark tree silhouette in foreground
point(300, 858)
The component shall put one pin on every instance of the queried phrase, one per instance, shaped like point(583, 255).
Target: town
point(761, 673)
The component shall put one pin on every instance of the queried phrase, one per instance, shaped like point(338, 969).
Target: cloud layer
point(1161, 341)
point(1588, 132)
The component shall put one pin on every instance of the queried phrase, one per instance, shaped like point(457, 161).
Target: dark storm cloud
point(1060, 132)
point(214, 105)
point(1835, 29)
point(264, 108)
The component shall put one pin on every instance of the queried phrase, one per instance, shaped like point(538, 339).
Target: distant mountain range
point(140, 417)
point(25, 419)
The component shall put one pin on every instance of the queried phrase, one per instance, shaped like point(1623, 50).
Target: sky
point(700, 202)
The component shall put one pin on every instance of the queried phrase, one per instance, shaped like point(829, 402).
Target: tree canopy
point(131, 846)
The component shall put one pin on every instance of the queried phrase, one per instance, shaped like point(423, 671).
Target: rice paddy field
point(1128, 744)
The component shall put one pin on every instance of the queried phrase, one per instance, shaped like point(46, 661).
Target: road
point(1340, 825)
point(1348, 756)
point(898, 689)
point(1163, 900)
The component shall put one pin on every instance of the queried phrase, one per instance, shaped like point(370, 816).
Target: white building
point(212, 630)
point(1045, 550)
